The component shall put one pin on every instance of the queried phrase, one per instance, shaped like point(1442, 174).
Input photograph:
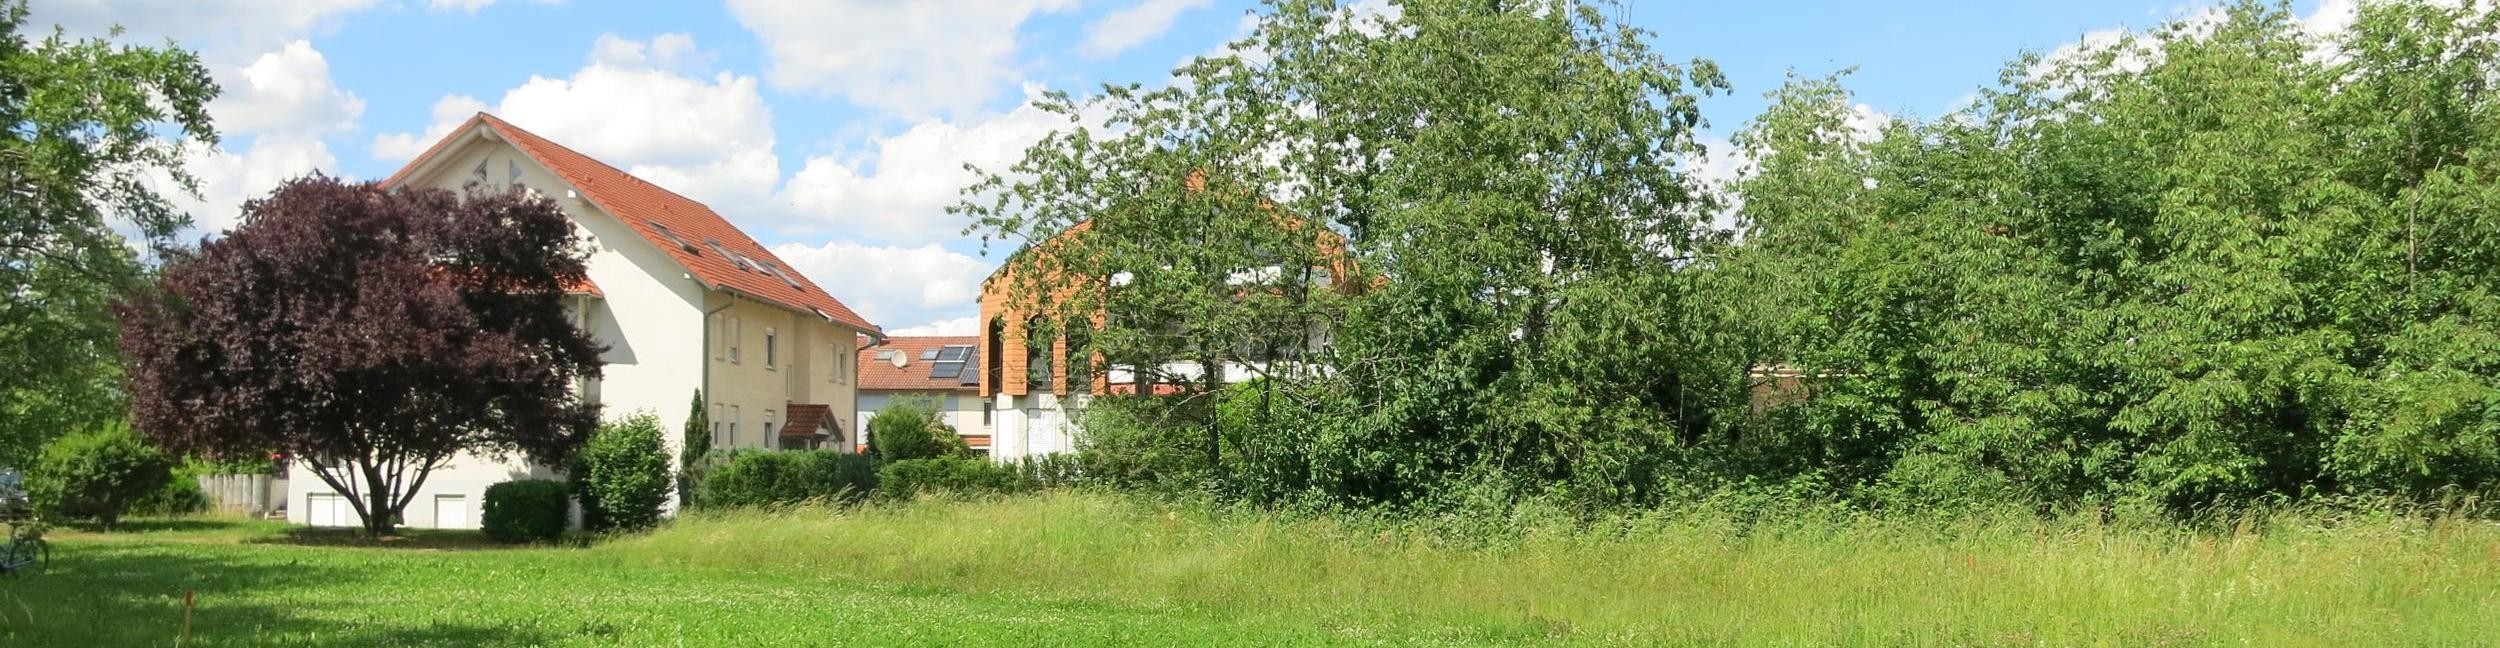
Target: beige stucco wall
point(748, 390)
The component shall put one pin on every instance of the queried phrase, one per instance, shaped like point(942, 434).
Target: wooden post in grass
point(185, 637)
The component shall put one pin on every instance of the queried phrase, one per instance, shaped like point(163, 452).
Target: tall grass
point(2281, 578)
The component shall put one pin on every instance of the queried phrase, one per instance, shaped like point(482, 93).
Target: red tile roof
point(689, 232)
point(913, 376)
point(811, 420)
point(584, 288)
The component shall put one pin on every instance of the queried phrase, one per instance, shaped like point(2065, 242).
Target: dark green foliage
point(526, 510)
point(180, 495)
point(694, 456)
point(908, 428)
point(904, 480)
point(2231, 272)
point(623, 474)
point(750, 479)
point(98, 474)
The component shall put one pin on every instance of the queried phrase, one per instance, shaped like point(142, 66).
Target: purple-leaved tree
point(373, 332)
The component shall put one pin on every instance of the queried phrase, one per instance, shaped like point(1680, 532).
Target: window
point(772, 348)
point(717, 440)
point(1036, 355)
point(736, 328)
point(988, 409)
point(1080, 360)
point(720, 338)
point(768, 428)
point(733, 426)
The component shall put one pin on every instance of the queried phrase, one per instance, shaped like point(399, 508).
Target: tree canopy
point(84, 124)
point(372, 332)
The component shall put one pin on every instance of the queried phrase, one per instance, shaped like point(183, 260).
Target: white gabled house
point(683, 301)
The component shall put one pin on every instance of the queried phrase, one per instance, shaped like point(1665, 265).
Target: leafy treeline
point(2222, 261)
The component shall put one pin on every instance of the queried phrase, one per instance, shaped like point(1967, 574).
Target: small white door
point(451, 512)
point(328, 510)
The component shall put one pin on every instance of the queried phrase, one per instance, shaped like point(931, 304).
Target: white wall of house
point(957, 409)
point(1034, 424)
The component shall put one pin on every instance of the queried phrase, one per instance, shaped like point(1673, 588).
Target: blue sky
point(833, 130)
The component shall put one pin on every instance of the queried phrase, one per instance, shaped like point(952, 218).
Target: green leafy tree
point(97, 474)
point(623, 474)
point(908, 428)
point(86, 123)
point(1507, 182)
point(2219, 261)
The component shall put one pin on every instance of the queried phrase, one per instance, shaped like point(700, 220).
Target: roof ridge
point(500, 124)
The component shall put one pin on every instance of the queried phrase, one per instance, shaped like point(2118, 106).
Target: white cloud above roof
point(891, 284)
point(904, 58)
point(1118, 31)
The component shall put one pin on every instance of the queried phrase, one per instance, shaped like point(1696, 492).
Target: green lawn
point(1071, 569)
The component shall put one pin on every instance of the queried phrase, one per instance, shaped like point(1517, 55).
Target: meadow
point(1088, 569)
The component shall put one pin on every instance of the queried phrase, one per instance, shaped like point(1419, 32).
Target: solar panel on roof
point(954, 353)
point(945, 370)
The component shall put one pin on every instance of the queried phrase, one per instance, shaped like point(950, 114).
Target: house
point(1037, 390)
point(943, 369)
point(684, 302)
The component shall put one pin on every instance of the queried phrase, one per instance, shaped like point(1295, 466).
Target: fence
point(255, 495)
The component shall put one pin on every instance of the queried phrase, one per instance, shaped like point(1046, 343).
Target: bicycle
point(27, 549)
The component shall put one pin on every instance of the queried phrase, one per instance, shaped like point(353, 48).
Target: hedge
point(787, 477)
point(911, 478)
point(526, 510)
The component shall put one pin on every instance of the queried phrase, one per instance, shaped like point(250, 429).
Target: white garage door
point(328, 510)
point(451, 512)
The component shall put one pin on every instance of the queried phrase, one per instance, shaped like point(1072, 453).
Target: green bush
point(181, 495)
point(622, 474)
point(908, 428)
point(787, 477)
point(903, 480)
point(525, 510)
point(97, 474)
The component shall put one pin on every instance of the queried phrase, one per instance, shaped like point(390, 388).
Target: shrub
point(692, 457)
point(525, 510)
point(787, 477)
point(911, 478)
point(623, 474)
point(908, 428)
point(97, 474)
point(180, 495)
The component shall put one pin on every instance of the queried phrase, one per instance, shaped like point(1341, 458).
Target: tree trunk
point(380, 516)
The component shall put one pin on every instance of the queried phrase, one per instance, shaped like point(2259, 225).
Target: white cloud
point(909, 58)
point(222, 30)
point(890, 283)
point(449, 112)
point(711, 139)
point(229, 178)
point(289, 90)
point(472, 6)
point(953, 326)
point(1118, 31)
point(896, 188)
